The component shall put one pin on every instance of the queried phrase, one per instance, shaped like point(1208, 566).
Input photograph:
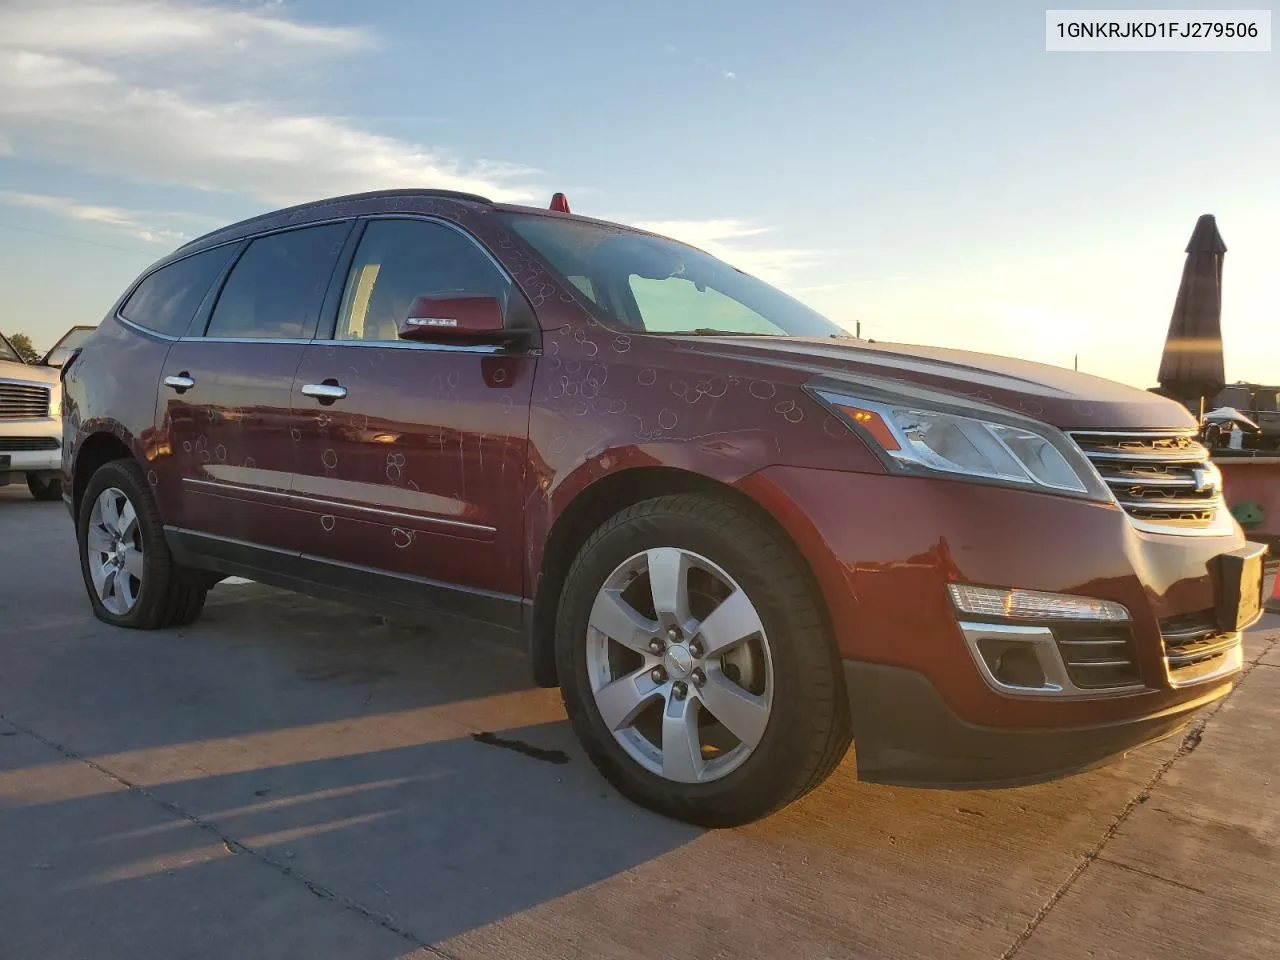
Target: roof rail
point(346, 198)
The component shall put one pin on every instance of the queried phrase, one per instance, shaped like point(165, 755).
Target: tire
point(790, 665)
point(165, 595)
point(44, 489)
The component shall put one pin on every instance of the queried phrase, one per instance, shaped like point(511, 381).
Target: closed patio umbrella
point(1191, 367)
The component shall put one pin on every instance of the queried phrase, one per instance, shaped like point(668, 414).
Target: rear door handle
point(326, 392)
point(181, 383)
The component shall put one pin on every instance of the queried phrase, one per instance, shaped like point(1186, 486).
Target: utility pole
point(858, 331)
point(1077, 366)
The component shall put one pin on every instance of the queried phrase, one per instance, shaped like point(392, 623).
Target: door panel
point(230, 437)
point(225, 395)
point(419, 469)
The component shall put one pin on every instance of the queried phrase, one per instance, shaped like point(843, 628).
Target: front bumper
point(884, 548)
point(904, 733)
point(31, 446)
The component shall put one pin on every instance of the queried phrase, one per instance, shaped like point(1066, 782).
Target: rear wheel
point(50, 489)
point(696, 665)
point(131, 578)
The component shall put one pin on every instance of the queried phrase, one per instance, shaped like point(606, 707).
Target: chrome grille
point(23, 401)
point(1160, 478)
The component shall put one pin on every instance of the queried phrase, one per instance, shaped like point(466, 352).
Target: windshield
point(7, 352)
point(648, 283)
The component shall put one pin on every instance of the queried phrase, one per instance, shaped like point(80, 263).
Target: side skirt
point(363, 586)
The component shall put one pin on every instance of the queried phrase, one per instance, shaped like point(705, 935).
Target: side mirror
point(457, 319)
point(59, 356)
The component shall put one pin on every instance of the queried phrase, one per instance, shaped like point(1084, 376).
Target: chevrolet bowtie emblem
point(1207, 478)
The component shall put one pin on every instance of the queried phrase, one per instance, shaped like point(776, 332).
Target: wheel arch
point(604, 498)
point(95, 450)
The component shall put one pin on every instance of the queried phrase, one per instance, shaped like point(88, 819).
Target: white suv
point(31, 416)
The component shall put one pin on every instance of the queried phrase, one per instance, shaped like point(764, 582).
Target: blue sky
point(926, 168)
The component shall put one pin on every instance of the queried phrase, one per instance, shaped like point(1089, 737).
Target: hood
point(1063, 398)
point(9, 370)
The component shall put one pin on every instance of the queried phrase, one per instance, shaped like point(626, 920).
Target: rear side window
point(167, 300)
point(401, 260)
point(277, 287)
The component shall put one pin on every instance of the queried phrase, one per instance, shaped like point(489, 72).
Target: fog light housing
point(1019, 667)
point(1016, 604)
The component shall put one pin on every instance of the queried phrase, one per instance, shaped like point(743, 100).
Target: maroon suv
point(733, 535)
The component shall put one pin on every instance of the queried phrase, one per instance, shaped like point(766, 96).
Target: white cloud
point(78, 86)
point(723, 238)
point(142, 26)
point(127, 221)
point(62, 99)
point(728, 75)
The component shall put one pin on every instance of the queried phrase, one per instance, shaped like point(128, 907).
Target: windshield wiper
point(713, 332)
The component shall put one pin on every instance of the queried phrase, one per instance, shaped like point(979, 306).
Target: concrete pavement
point(291, 778)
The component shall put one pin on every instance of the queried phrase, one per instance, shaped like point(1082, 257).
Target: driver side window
point(400, 260)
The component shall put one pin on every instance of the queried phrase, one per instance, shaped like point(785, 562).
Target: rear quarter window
point(166, 301)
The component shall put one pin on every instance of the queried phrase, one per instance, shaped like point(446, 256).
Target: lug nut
point(679, 689)
point(698, 677)
point(658, 675)
point(673, 633)
point(695, 648)
point(655, 645)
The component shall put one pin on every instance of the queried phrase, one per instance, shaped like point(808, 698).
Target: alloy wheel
point(679, 665)
point(115, 552)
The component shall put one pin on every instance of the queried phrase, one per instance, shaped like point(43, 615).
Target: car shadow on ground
point(411, 768)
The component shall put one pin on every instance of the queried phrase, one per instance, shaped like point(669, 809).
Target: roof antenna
point(560, 203)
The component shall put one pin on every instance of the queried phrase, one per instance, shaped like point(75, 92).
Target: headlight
point(918, 439)
point(55, 402)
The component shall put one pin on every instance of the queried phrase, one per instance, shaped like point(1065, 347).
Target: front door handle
point(326, 392)
point(181, 383)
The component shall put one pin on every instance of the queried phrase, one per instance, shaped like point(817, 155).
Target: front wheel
point(131, 578)
point(50, 489)
point(696, 665)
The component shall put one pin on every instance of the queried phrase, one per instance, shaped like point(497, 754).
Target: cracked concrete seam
point(235, 846)
point(1190, 741)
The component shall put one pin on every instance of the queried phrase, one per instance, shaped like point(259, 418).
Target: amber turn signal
point(871, 421)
